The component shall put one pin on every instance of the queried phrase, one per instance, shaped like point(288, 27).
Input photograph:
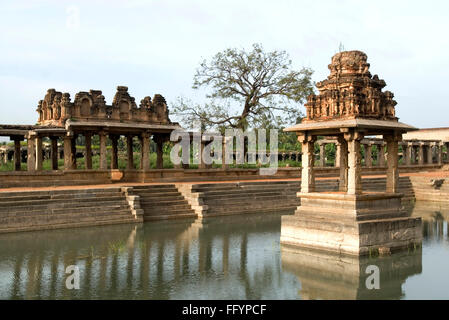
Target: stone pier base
point(351, 224)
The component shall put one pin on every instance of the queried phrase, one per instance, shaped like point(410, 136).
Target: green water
point(233, 257)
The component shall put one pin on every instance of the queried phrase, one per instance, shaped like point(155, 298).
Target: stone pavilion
point(350, 106)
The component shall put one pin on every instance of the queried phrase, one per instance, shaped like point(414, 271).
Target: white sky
point(155, 46)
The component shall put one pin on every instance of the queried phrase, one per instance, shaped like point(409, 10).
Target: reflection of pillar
point(114, 157)
point(343, 164)
point(354, 163)
point(145, 151)
point(381, 155)
point(103, 151)
point(421, 154)
point(225, 257)
point(322, 154)
point(129, 152)
point(368, 155)
point(31, 154)
point(307, 174)
point(392, 163)
point(429, 154)
point(54, 153)
point(88, 151)
point(17, 155)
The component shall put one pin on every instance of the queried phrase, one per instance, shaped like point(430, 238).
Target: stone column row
point(421, 153)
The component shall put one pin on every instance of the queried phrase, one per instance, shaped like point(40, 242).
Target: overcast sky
point(155, 46)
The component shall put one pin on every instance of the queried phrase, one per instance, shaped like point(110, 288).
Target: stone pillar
point(368, 155)
point(74, 152)
point(114, 156)
point(160, 152)
point(88, 151)
point(39, 154)
point(338, 152)
point(308, 161)
point(201, 164)
point(429, 153)
point(31, 158)
point(421, 154)
point(439, 147)
point(17, 154)
point(145, 151)
point(224, 166)
point(354, 162)
point(412, 153)
point(447, 151)
point(103, 151)
point(381, 155)
point(392, 162)
point(129, 152)
point(54, 153)
point(343, 164)
point(409, 154)
point(322, 154)
point(69, 156)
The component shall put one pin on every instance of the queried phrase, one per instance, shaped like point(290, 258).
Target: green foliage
point(248, 89)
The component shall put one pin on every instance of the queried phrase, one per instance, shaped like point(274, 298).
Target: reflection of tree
point(434, 219)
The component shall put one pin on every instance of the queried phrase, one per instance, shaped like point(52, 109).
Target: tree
point(247, 89)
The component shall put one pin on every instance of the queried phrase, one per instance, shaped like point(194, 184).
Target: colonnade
point(414, 152)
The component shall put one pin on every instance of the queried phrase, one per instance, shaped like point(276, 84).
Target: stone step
point(162, 201)
point(54, 220)
point(157, 194)
point(83, 209)
point(280, 209)
point(56, 192)
point(154, 187)
point(68, 216)
point(62, 206)
point(244, 189)
point(169, 216)
point(157, 207)
point(218, 194)
point(51, 203)
point(251, 202)
point(167, 211)
point(243, 185)
point(248, 206)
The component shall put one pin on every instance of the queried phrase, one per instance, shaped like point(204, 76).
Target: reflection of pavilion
point(326, 276)
point(229, 257)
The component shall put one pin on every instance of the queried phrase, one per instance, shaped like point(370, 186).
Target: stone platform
point(351, 224)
